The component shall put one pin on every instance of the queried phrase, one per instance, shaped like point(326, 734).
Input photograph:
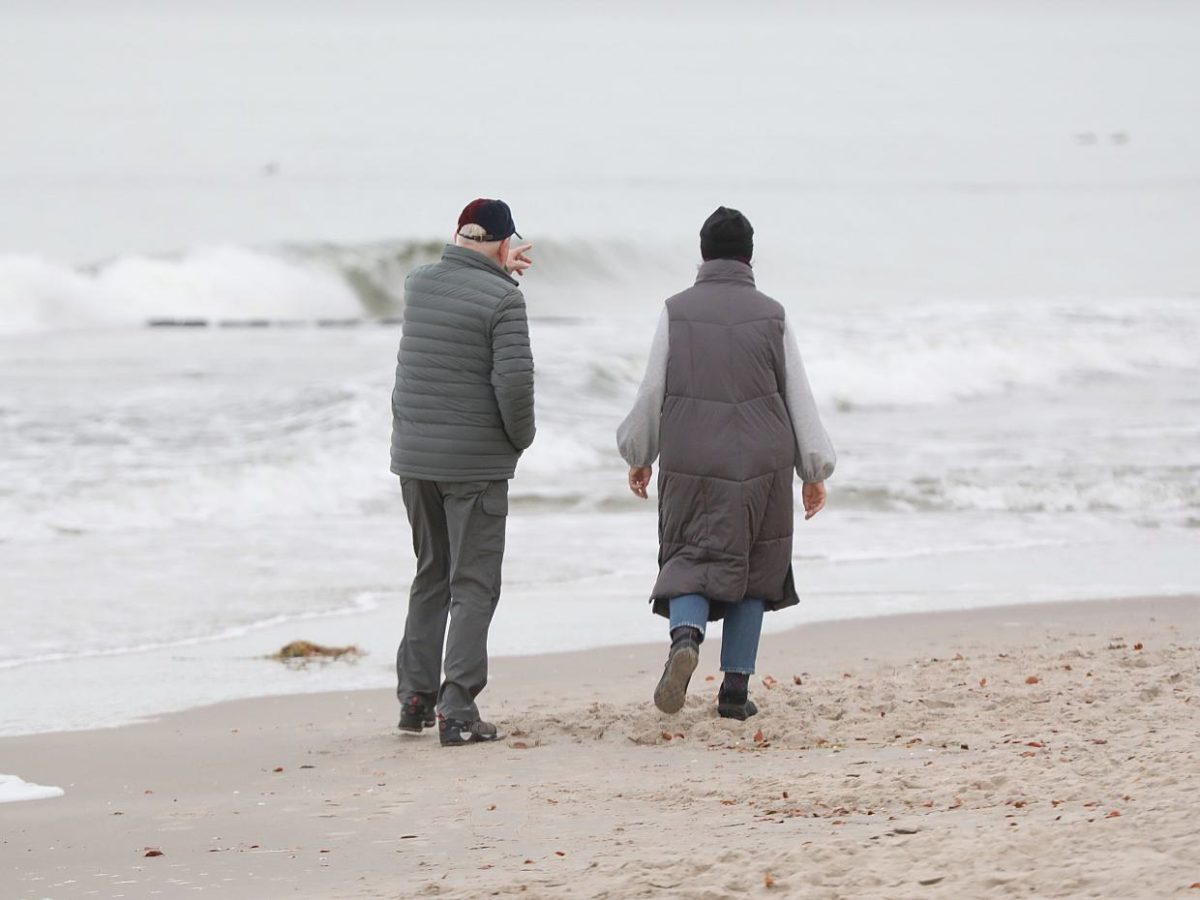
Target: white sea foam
point(212, 283)
point(908, 354)
point(172, 444)
point(934, 354)
point(13, 789)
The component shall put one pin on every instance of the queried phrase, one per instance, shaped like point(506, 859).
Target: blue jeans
point(743, 626)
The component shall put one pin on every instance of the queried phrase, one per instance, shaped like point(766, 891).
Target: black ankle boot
point(736, 683)
point(735, 704)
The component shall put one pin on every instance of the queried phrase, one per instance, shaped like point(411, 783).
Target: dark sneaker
point(417, 713)
point(457, 732)
point(735, 706)
point(672, 687)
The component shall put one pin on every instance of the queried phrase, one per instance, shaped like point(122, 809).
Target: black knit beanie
point(727, 234)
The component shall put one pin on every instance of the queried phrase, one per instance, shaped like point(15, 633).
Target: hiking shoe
point(416, 713)
point(458, 732)
point(672, 687)
point(735, 706)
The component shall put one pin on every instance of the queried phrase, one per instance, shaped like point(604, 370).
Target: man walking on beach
point(462, 413)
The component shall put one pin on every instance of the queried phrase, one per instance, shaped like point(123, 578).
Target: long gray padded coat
point(462, 407)
point(728, 450)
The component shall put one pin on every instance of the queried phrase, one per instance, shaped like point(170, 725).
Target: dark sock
point(736, 683)
point(686, 633)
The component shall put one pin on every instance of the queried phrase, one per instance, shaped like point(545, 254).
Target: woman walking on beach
point(726, 403)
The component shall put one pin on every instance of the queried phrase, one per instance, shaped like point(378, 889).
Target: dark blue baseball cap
point(493, 216)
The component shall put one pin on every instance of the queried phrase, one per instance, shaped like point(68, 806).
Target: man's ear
point(504, 245)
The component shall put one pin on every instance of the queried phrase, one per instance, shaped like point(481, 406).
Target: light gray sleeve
point(815, 457)
point(637, 438)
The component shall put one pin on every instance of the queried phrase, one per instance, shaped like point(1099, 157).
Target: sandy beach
point(1041, 750)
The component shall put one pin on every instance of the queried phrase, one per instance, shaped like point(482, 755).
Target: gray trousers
point(458, 537)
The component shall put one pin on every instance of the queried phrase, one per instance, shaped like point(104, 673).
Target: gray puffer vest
point(462, 408)
point(728, 450)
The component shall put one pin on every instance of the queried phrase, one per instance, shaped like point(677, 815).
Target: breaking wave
point(303, 282)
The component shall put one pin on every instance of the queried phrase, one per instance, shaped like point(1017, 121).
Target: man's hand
point(814, 498)
point(639, 480)
point(517, 261)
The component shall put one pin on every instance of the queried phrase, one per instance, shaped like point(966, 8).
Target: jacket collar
point(462, 256)
point(725, 270)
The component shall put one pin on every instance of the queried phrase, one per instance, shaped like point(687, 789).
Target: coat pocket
point(495, 499)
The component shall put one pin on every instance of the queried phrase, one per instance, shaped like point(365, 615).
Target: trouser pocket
point(495, 498)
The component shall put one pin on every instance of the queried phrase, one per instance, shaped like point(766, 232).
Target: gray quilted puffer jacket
point(462, 408)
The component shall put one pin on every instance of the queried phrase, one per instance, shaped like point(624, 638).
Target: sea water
point(981, 219)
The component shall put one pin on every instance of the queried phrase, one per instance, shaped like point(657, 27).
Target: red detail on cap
point(469, 212)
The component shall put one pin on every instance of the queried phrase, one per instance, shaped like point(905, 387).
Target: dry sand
point(913, 756)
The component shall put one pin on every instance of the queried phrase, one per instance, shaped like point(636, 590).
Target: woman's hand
point(639, 480)
point(814, 498)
